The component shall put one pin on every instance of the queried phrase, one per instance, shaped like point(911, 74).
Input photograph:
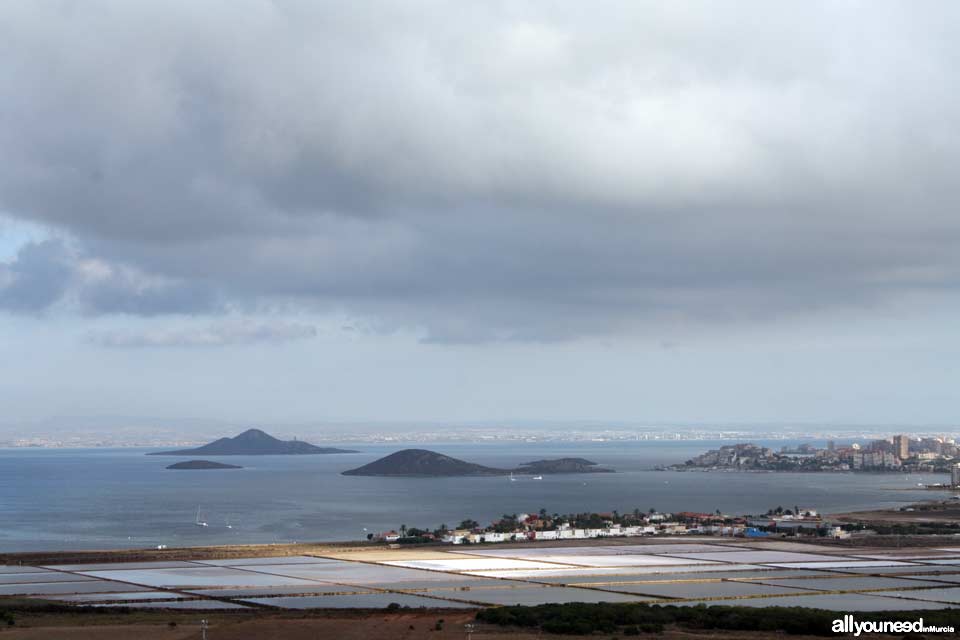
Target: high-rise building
point(901, 447)
point(831, 446)
point(955, 475)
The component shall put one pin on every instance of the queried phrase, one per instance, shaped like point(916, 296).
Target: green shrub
point(634, 619)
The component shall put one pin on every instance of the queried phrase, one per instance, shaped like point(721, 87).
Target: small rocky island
point(422, 463)
point(253, 442)
point(202, 464)
point(561, 465)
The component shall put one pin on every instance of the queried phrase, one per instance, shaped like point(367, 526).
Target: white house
point(456, 537)
point(493, 536)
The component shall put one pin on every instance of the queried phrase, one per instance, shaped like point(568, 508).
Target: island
point(561, 465)
point(425, 463)
point(202, 464)
point(253, 442)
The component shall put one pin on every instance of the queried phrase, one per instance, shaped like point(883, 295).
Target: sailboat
point(199, 522)
point(229, 526)
point(512, 479)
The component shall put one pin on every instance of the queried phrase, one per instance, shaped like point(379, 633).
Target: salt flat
point(842, 602)
point(253, 562)
point(540, 595)
point(123, 596)
point(738, 573)
point(117, 566)
point(64, 588)
point(178, 604)
point(842, 564)
point(948, 594)
point(52, 576)
point(687, 590)
point(476, 564)
point(612, 571)
point(371, 601)
point(622, 560)
point(197, 577)
point(757, 557)
point(858, 583)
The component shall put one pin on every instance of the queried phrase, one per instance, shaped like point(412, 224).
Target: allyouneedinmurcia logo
point(848, 624)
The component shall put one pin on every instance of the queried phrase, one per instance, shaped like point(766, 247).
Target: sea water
point(113, 498)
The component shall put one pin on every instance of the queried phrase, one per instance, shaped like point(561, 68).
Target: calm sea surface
point(111, 498)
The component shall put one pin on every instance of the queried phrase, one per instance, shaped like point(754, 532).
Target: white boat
point(512, 479)
point(229, 526)
point(199, 522)
point(538, 477)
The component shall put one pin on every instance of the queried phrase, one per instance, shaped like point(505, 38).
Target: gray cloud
point(117, 289)
point(213, 336)
point(487, 172)
point(50, 272)
point(37, 278)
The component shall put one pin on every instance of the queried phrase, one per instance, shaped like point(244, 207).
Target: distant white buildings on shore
point(531, 528)
point(463, 536)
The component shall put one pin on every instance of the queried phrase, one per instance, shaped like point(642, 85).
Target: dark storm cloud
point(499, 171)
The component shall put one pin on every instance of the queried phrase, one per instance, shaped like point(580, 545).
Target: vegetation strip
point(636, 618)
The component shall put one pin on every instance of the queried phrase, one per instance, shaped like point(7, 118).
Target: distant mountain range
point(424, 463)
point(192, 465)
point(253, 442)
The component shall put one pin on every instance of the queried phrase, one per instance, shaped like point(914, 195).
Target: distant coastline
point(898, 455)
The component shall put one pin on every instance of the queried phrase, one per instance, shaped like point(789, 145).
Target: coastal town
point(795, 521)
point(899, 453)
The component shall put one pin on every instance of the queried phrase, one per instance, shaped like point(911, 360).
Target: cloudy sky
point(299, 210)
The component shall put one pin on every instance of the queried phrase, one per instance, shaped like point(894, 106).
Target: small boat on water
point(512, 479)
point(200, 522)
point(538, 477)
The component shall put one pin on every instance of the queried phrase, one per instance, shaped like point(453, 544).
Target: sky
point(256, 210)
